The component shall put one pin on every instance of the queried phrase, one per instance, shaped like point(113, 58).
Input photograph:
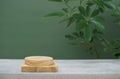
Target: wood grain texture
point(27, 68)
point(39, 61)
point(39, 64)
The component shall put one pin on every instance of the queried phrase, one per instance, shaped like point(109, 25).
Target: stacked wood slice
point(39, 64)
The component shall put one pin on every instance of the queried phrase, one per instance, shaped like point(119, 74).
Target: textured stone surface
point(67, 69)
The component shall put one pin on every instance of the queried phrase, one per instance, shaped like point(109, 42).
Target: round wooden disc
point(39, 60)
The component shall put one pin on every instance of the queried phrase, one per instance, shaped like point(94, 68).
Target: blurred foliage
point(86, 17)
point(113, 46)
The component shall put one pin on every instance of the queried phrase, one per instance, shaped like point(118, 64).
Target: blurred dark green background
point(23, 31)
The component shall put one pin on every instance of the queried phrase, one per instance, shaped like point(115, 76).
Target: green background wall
point(23, 31)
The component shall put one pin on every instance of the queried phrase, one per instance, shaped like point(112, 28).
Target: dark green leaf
point(81, 33)
point(76, 34)
point(58, 14)
point(82, 10)
point(101, 10)
point(109, 5)
point(77, 16)
point(70, 21)
point(107, 0)
point(80, 25)
point(65, 10)
point(66, 1)
point(95, 13)
point(56, 0)
point(98, 26)
point(90, 3)
point(88, 9)
point(117, 55)
point(88, 34)
point(70, 37)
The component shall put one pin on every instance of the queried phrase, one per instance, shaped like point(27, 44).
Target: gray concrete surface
point(67, 69)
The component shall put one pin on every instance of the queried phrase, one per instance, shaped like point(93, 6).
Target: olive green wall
point(23, 31)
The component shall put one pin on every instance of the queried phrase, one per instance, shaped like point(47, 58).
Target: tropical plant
point(86, 17)
point(113, 46)
point(116, 14)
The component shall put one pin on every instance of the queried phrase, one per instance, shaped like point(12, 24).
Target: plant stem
point(96, 51)
point(81, 2)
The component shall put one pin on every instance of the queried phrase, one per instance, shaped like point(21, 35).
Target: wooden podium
point(39, 64)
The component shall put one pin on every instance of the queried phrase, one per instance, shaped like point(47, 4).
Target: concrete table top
point(67, 69)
